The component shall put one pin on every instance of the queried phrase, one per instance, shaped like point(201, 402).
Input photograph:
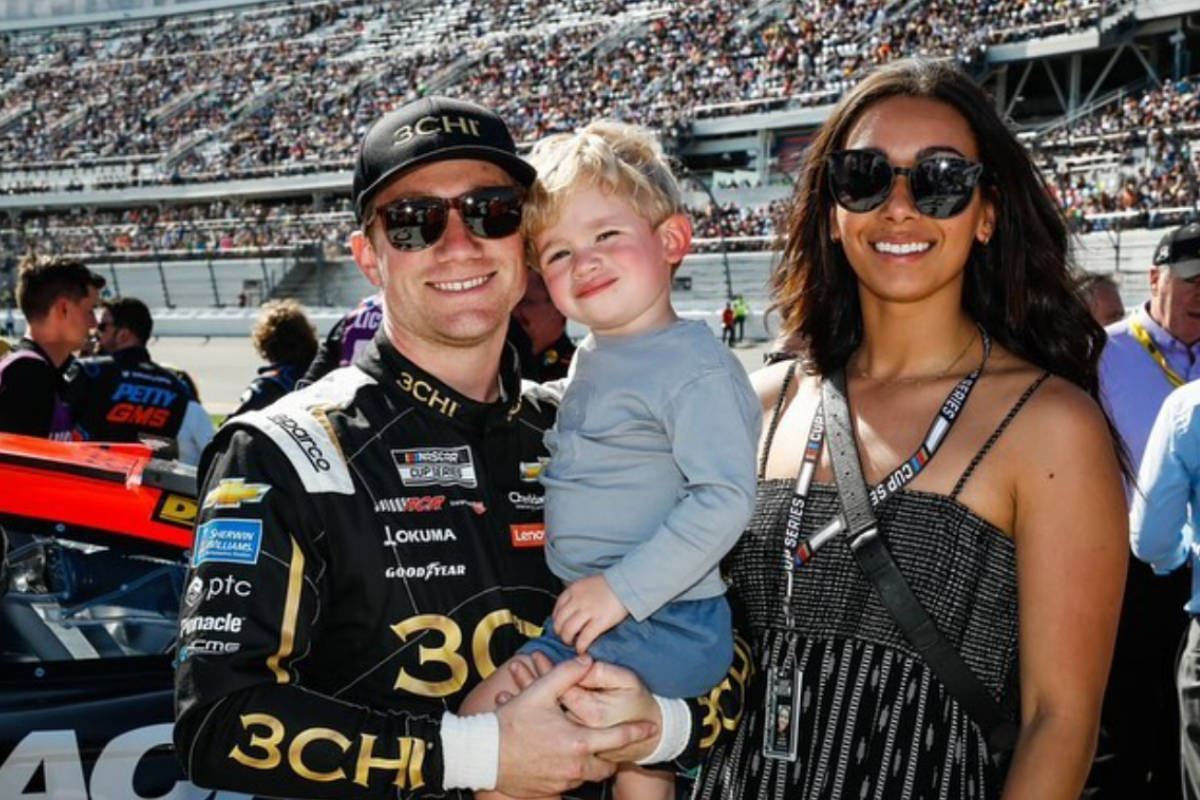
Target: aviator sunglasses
point(415, 223)
point(940, 185)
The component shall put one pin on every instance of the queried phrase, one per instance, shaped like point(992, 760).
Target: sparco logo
point(434, 569)
point(303, 440)
point(527, 502)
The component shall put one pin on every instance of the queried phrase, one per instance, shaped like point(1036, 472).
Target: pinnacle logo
point(232, 492)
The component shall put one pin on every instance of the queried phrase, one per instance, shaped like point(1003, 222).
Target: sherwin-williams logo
point(531, 534)
point(232, 492)
point(233, 541)
point(436, 466)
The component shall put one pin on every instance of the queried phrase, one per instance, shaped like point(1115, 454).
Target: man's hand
point(544, 753)
point(611, 695)
point(586, 609)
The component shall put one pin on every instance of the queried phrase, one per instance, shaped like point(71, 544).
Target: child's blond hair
point(613, 156)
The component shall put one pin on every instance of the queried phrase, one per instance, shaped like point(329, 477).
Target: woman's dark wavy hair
point(1019, 287)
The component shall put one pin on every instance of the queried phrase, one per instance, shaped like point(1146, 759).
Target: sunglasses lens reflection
point(418, 222)
point(941, 186)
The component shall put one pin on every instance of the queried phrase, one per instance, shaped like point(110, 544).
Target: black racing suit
point(368, 549)
point(271, 383)
point(124, 396)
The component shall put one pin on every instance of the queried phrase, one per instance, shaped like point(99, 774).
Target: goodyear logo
point(232, 492)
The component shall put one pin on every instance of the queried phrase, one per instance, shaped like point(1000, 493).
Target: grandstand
point(198, 151)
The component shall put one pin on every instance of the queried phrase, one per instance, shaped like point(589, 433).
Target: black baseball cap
point(432, 129)
point(1179, 251)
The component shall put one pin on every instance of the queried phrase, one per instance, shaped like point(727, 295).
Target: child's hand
point(586, 609)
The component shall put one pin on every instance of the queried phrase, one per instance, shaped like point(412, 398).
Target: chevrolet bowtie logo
point(232, 492)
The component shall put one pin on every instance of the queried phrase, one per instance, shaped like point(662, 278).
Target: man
point(1148, 354)
point(539, 332)
point(741, 310)
point(1162, 535)
point(369, 547)
point(1157, 348)
point(348, 337)
point(57, 297)
point(727, 330)
point(123, 396)
point(1103, 298)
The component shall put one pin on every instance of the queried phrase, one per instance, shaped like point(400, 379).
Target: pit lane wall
point(700, 292)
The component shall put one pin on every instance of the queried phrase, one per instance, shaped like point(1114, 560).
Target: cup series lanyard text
point(782, 717)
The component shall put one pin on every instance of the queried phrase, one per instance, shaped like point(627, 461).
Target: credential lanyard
point(797, 553)
point(1150, 346)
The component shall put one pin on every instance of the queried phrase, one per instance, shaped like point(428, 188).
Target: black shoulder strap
point(779, 401)
point(877, 563)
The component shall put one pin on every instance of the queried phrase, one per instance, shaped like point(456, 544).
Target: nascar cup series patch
point(436, 466)
point(232, 541)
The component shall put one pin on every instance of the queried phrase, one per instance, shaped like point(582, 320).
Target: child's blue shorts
point(682, 650)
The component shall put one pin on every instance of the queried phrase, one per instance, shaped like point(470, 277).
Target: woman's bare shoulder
point(1060, 420)
point(768, 382)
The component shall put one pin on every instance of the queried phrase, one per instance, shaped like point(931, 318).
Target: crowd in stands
point(219, 229)
point(239, 93)
point(1130, 164)
point(237, 229)
point(280, 90)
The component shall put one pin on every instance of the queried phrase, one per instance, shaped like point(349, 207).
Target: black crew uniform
point(31, 393)
point(367, 550)
point(126, 397)
point(551, 364)
point(272, 382)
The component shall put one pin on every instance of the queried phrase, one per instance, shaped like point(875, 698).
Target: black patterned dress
point(875, 722)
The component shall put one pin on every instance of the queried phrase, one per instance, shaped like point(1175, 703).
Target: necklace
point(861, 373)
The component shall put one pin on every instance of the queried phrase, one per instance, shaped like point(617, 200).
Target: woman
point(925, 258)
point(285, 338)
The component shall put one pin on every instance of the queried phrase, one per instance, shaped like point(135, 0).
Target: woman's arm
point(1071, 535)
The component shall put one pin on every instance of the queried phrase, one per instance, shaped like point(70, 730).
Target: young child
point(651, 476)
